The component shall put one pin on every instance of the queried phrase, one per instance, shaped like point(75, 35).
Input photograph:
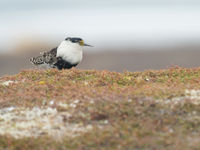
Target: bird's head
point(77, 40)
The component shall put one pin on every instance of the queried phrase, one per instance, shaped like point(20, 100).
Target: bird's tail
point(37, 60)
point(32, 60)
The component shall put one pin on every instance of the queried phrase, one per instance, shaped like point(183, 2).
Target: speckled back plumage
point(48, 57)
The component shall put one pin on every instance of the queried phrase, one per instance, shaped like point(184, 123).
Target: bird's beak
point(83, 44)
point(87, 45)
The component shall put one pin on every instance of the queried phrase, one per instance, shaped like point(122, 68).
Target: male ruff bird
point(67, 55)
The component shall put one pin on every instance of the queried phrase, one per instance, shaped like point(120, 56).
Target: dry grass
point(132, 110)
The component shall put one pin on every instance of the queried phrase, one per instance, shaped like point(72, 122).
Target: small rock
point(51, 102)
point(73, 105)
point(129, 100)
point(105, 121)
point(171, 130)
point(76, 101)
point(91, 102)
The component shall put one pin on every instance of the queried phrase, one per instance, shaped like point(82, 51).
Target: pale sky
point(102, 23)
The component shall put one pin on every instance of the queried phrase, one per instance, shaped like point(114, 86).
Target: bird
point(67, 55)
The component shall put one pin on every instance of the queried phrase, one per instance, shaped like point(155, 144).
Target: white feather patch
point(70, 52)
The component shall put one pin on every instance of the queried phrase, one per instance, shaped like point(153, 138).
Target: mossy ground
point(123, 108)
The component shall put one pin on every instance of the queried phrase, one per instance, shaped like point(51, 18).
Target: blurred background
point(131, 35)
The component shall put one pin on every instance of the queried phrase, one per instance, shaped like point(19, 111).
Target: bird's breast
point(71, 54)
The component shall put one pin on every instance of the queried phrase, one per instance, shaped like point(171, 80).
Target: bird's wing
point(48, 57)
